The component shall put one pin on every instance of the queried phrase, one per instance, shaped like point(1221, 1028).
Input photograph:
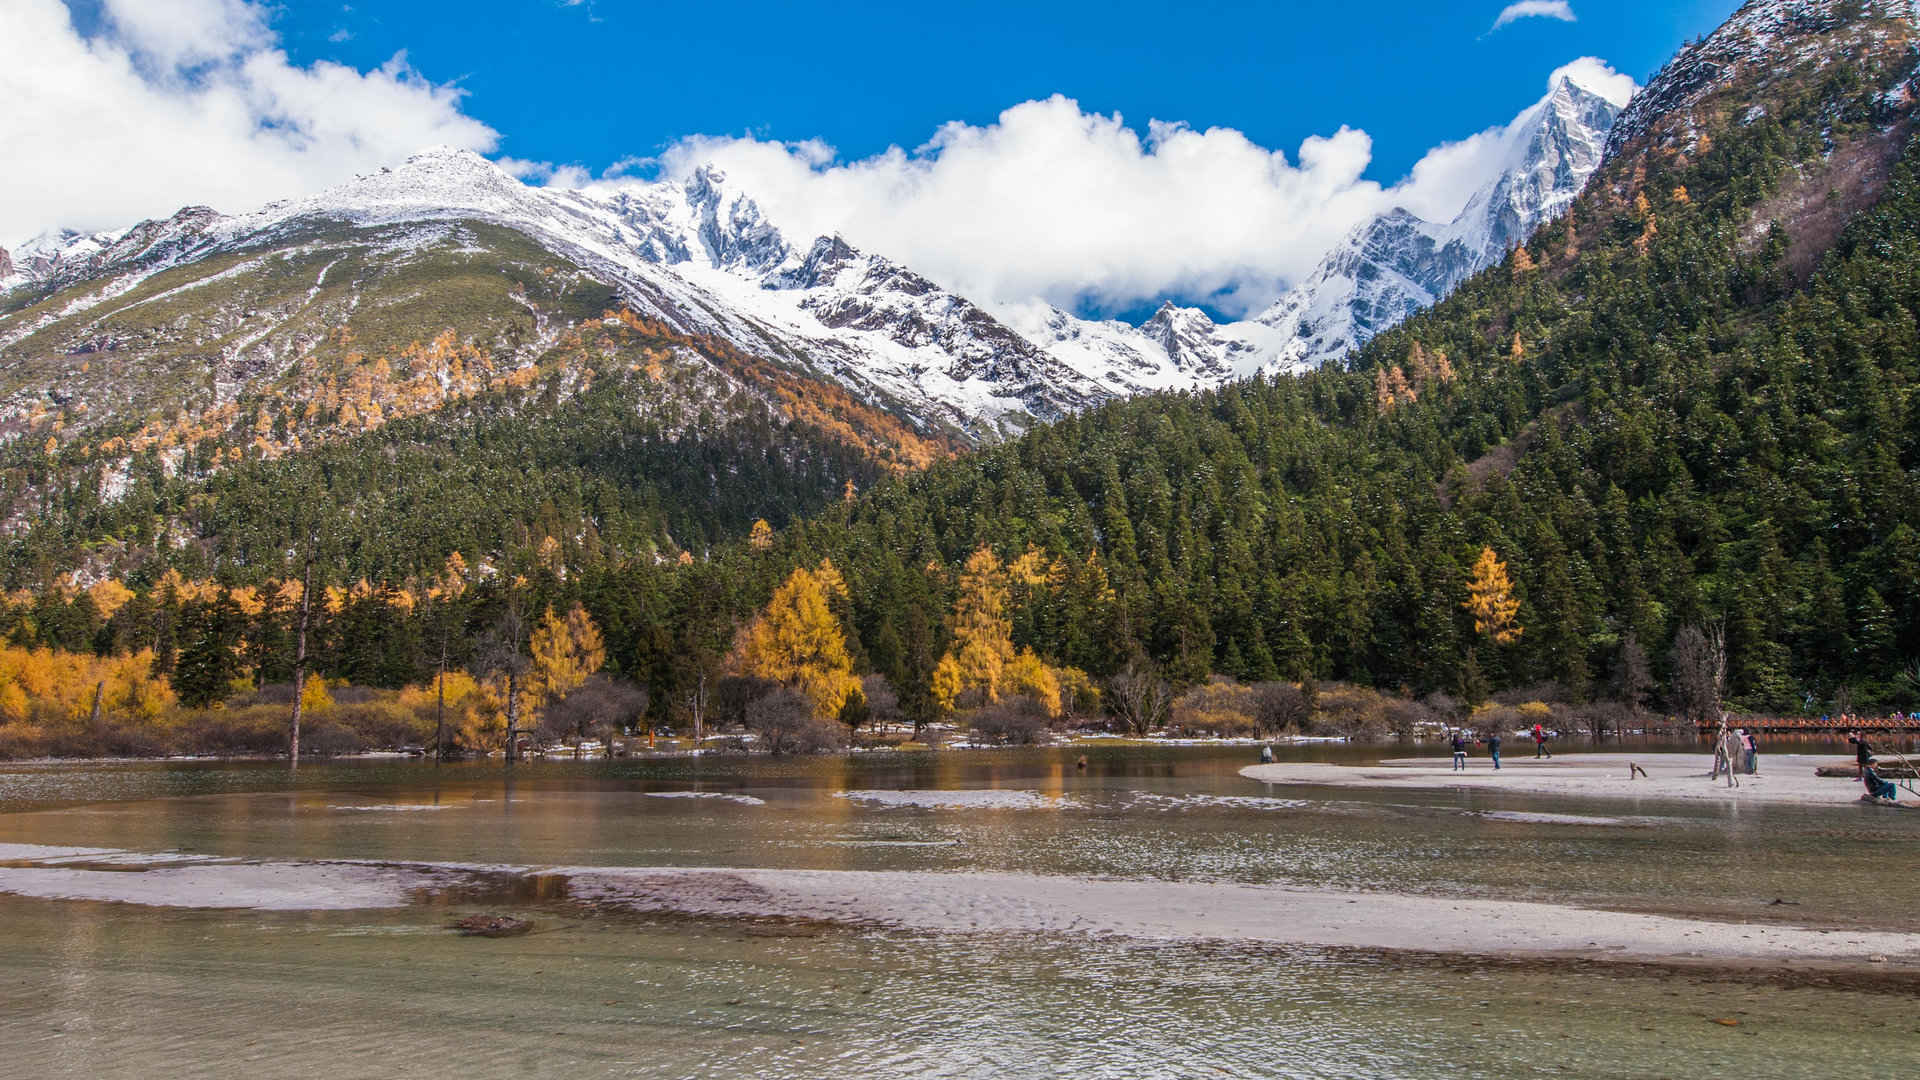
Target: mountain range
point(701, 258)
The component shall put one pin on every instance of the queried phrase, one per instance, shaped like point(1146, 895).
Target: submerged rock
point(491, 926)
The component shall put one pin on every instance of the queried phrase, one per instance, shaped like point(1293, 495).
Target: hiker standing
point(1540, 742)
point(1862, 754)
point(1753, 751)
point(1493, 748)
point(1460, 750)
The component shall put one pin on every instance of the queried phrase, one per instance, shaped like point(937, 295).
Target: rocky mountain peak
point(1767, 39)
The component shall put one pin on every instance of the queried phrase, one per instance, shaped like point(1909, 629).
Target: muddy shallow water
point(107, 989)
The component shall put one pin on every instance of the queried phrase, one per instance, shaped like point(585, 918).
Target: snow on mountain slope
point(697, 256)
point(701, 257)
point(1768, 38)
point(1399, 263)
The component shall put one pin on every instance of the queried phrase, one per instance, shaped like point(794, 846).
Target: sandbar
point(1783, 779)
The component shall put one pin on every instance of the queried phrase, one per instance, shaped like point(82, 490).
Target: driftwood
point(1888, 770)
point(491, 926)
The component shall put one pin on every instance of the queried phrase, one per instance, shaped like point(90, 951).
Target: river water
point(98, 988)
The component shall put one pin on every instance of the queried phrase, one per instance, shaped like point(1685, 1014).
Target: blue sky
point(598, 81)
point(1097, 157)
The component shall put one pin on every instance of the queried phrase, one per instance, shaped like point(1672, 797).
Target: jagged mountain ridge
point(697, 257)
point(703, 259)
point(1400, 263)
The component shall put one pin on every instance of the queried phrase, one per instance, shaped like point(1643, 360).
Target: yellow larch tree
point(982, 658)
point(761, 538)
point(566, 651)
point(1490, 598)
point(797, 641)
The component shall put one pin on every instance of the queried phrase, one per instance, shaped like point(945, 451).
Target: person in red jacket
point(1540, 742)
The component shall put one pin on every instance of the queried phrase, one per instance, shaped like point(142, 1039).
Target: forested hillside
point(1683, 414)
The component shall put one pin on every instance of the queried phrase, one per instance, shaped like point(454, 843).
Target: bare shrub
point(1280, 707)
point(1018, 721)
point(785, 723)
point(598, 708)
point(1406, 717)
point(1352, 711)
point(1220, 707)
point(1600, 719)
point(1139, 698)
point(883, 703)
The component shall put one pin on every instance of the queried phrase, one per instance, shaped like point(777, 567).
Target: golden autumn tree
point(1490, 598)
point(983, 659)
point(797, 641)
point(982, 632)
point(761, 538)
point(1522, 260)
point(566, 651)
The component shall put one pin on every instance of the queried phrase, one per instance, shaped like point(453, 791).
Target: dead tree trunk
point(99, 695)
point(513, 714)
point(440, 709)
point(300, 664)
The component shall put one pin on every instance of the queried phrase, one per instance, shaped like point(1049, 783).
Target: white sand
point(1187, 911)
point(965, 902)
point(222, 884)
point(1783, 778)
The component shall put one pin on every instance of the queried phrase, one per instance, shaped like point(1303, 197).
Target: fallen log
point(1888, 770)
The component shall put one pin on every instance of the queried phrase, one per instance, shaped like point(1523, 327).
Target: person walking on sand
point(1540, 743)
point(1493, 748)
point(1459, 750)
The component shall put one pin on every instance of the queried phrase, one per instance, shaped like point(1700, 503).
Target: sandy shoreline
point(938, 902)
point(1784, 779)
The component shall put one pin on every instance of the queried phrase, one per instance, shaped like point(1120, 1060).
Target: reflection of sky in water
point(1182, 814)
point(111, 990)
point(104, 991)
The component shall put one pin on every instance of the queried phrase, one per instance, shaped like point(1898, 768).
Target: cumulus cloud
point(1534, 9)
point(173, 102)
point(1051, 201)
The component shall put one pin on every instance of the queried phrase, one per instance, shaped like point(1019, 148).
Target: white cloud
point(1534, 9)
point(1595, 74)
point(176, 102)
point(1053, 202)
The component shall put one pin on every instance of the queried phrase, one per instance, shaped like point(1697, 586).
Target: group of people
point(1462, 741)
point(1735, 751)
point(1878, 787)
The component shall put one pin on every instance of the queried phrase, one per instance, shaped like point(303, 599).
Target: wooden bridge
point(1815, 725)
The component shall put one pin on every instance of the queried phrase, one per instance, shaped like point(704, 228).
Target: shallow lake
point(92, 988)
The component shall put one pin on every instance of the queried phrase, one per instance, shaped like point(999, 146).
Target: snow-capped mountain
point(701, 257)
point(698, 256)
point(1399, 263)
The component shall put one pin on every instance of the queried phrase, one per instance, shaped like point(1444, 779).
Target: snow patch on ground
point(984, 799)
point(723, 796)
